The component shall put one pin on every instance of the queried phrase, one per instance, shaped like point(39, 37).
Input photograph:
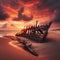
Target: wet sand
point(47, 51)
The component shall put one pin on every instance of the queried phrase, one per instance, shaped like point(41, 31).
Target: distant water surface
point(8, 32)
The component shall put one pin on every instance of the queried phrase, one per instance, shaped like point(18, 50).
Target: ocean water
point(8, 32)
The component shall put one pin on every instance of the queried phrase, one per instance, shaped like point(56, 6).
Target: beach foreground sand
point(49, 50)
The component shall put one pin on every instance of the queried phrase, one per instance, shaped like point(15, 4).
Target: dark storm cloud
point(52, 5)
point(14, 4)
point(23, 16)
point(26, 18)
point(45, 4)
point(3, 15)
point(11, 3)
point(26, 1)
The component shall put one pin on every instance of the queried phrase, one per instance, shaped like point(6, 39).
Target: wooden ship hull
point(36, 33)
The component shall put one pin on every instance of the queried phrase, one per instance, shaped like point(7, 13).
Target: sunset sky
point(28, 11)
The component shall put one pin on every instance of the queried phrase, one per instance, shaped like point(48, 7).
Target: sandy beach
point(47, 51)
